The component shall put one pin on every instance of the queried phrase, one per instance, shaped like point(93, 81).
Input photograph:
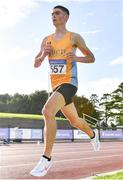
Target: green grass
point(24, 116)
point(116, 176)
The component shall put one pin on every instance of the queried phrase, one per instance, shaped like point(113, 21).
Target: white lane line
point(56, 148)
point(64, 160)
point(55, 153)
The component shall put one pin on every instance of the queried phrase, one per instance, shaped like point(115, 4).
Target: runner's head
point(60, 15)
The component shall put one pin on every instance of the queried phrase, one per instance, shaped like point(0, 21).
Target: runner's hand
point(71, 56)
point(38, 61)
point(47, 49)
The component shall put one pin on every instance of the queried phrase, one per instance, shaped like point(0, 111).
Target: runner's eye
point(56, 13)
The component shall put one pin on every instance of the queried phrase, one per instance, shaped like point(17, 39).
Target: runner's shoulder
point(46, 38)
point(76, 35)
point(75, 38)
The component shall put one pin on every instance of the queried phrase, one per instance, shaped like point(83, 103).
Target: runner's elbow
point(92, 59)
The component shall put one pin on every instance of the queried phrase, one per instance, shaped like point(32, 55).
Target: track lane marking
point(14, 149)
point(64, 160)
point(91, 151)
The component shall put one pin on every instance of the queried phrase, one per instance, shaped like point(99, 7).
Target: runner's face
point(59, 17)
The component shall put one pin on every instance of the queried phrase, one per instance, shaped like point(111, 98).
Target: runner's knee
point(48, 112)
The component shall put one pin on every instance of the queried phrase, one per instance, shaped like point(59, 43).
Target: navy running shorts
point(68, 91)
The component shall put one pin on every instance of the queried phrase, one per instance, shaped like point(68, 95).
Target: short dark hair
point(63, 9)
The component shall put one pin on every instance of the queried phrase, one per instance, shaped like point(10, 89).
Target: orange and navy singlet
point(62, 69)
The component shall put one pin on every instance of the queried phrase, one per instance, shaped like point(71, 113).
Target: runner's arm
point(44, 51)
point(88, 55)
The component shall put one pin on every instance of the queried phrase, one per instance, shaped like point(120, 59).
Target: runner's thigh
point(55, 102)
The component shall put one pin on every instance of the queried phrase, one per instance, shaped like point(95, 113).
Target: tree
point(113, 105)
point(105, 100)
point(4, 98)
point(117, 102)
point(83, 105)
point(95, 101)
point(16, 104)
point(37, 101)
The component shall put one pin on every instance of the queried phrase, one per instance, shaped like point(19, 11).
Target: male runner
point(60, 48)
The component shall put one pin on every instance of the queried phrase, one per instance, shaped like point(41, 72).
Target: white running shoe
point(41, 168)
point(95, 141)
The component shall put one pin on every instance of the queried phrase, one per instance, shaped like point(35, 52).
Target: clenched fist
point(47, 49)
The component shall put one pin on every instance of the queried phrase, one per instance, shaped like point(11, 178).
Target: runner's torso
point(62, 69)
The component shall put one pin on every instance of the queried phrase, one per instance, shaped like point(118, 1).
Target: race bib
point(57, 66)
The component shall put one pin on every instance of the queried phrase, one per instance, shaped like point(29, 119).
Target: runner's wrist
point(42, 58)
point(44, 54)
point(76, 58)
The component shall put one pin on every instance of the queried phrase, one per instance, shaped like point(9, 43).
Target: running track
point(71, 160)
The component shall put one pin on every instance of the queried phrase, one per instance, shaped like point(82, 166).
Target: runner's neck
point(59, 33)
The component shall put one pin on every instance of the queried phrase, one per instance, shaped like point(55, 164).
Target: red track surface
point(71, 160)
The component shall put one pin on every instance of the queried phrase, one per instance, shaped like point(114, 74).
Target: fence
point(62, 134)
point(91, 120)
